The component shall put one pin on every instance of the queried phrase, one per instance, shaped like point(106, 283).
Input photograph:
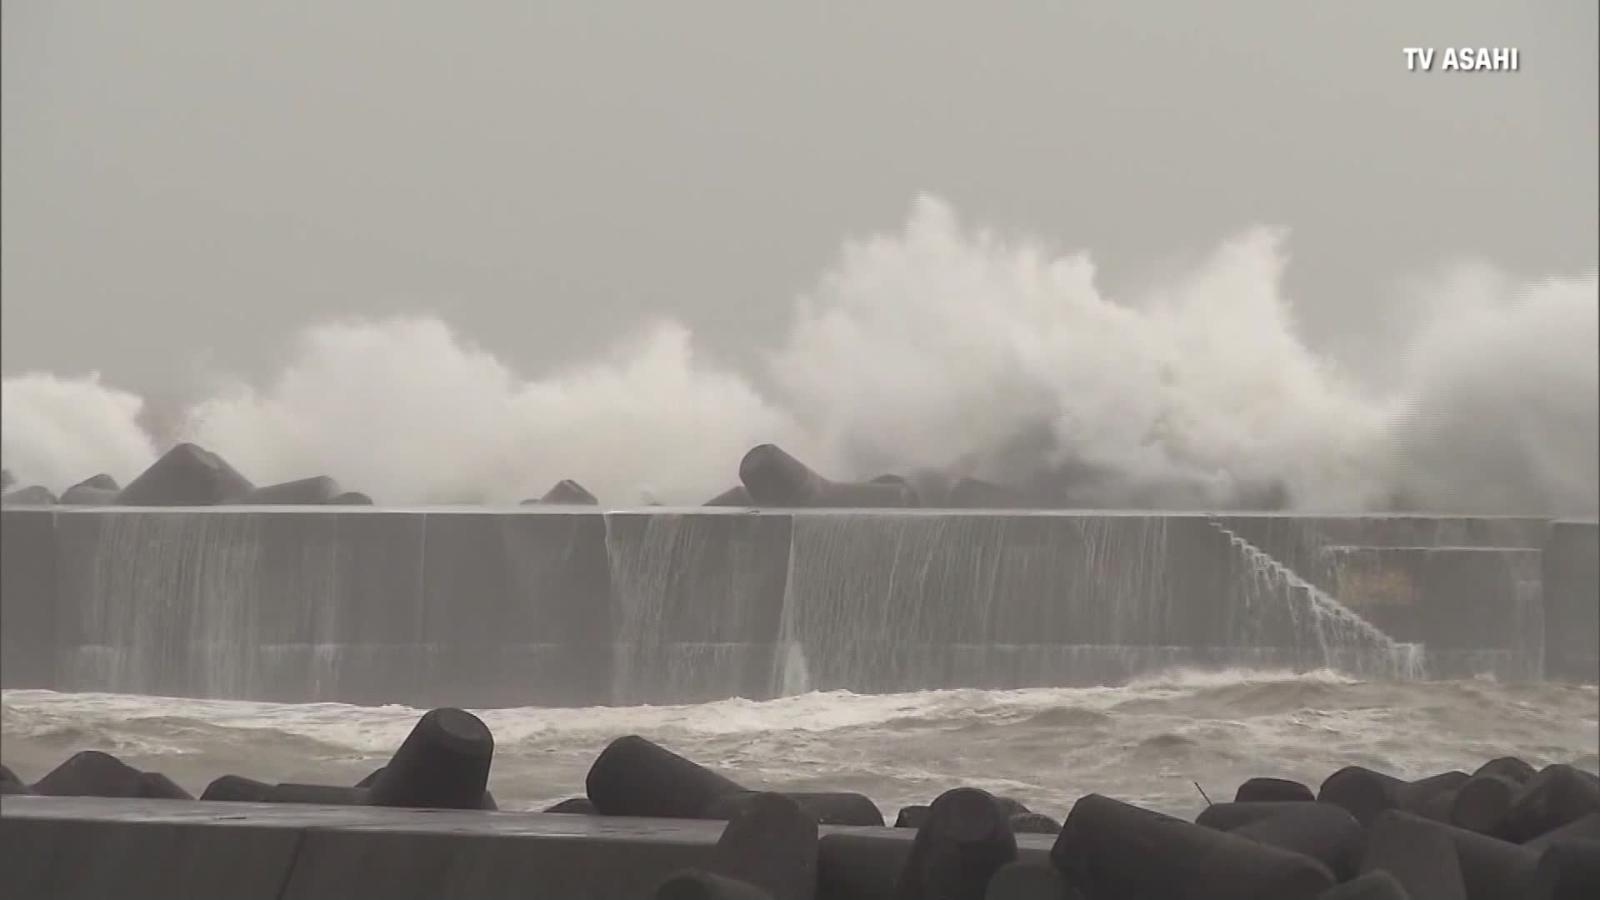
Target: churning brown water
point(1146, 742)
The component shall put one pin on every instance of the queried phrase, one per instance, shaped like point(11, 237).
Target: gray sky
point(194, 181)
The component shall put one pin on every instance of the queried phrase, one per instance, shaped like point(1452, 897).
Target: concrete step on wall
point(1453, 598)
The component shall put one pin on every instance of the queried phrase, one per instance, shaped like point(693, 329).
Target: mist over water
point(937, 347)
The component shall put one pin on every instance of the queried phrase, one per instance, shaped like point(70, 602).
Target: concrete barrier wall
point(263, 605)
point(544, 607)
point(96, 848)
point(515, 609)
point(1572, 601)
point(1480, 608)
point(695, 604)
point(87, 847)
point(28, 601)
point(88, 856)
point(891, 603)
point(1303, 542)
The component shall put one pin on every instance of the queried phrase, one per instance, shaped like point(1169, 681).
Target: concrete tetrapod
point(1571, 869)
point(965, 840)
point(1410, 848)
point(1481, 804)
point(1508, 767)
point(1377, 885)
point(318, 490)
point(1112, 849)
point(1586, 829)
point(836, 808)
point(1557, 795)
point(443, 764)
point(1033, 823)
point(774, 478)
point(911, 816)
point(32, 495)
point(634, 777)
point(1366, 793)
point(237, 788)
point(579, 806)
point(1422, 859)
point(772, 844)
point(156, 786)
point(11, 784)
point(567, 492)
point(1029, 880)
point(1321, 831)
point(186, 475)
point(1266, 790)
point(351, 498)
point(101, 490)
point(734, 496)
point(90, 773)
point(1228, 816)
point(767, 850)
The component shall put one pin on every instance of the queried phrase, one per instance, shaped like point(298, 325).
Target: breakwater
point(650, 822)
point(577, 606)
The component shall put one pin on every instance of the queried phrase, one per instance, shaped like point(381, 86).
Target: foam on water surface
point(1145, 741)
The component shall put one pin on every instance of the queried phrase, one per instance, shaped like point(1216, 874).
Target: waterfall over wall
point(884, 602)
point(173, 604)
point(575, 607)
point(1466, 593)
point(1272, 598)
point(268, 605)
point(694, 601)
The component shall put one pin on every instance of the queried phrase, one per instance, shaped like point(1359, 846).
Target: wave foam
point(938, 347)
point(1145, 743)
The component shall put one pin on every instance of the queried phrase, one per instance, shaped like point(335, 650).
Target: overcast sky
point(189, 183)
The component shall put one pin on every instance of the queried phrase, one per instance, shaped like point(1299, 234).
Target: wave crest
point(935, 347)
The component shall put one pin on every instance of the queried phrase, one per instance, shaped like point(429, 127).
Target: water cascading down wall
point(549, 606)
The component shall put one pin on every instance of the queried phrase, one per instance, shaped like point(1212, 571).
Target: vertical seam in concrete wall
point(294, 863)
point(420, 624)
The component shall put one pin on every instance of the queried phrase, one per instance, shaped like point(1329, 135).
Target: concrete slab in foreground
point(71, 847)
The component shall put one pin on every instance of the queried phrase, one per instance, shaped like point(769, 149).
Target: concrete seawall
point(1571, 577)
point(550, 606)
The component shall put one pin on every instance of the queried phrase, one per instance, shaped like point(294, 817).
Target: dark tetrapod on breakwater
point(655, 824)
